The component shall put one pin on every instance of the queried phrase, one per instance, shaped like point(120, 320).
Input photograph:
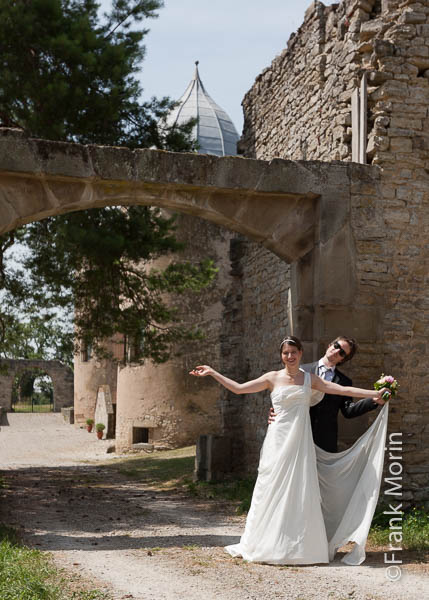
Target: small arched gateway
point(60, 374)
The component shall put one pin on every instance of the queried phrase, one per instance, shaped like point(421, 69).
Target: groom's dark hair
point(351, 342)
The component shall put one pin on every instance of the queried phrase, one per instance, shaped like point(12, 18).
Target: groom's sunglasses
point(337, 346)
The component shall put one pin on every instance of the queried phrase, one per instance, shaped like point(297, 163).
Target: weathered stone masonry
point(300, 108)
point(255, 315)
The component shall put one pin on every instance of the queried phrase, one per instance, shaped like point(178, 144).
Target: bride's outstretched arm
point(317, 383)
point(256, 385)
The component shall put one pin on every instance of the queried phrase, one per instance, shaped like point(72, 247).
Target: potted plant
point(89, 425)
point(99, 428)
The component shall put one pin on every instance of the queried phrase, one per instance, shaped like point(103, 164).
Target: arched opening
point(300, 211)
point(32, 391)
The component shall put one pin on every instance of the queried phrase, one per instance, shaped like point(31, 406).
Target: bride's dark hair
point(293, 341)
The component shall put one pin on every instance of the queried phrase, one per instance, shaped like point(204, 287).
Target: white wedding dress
point(308, 502)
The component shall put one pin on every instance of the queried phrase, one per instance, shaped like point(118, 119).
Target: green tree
point(28, 329)
point(28, 333)
point(25, 385)
point(66, 73)
point(98, 261)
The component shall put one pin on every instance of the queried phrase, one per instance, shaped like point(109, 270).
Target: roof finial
point(196, 74)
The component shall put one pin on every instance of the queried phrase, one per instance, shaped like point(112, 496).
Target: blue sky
point(234, 40)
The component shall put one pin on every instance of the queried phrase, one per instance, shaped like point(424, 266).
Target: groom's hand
point(378, 399)
point(271, 416)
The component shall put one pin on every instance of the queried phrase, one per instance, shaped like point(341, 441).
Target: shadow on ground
point(103, 507)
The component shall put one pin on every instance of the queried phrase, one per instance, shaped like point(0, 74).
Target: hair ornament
point(288, 341)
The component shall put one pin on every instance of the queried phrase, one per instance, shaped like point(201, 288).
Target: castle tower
point(160, 404)
point(214, 130)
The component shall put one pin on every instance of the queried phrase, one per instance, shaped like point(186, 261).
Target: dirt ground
point(67, 497)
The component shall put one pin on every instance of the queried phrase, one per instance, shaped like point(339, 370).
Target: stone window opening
point(134, 346)
point(141, 435)
point(376, 9)
point(86, 351)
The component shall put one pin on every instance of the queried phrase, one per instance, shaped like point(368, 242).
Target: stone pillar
point(213, 458)
point(355, 125)
point(363, 126)
point(104, 411)
point(68, 415)
point(359, 122)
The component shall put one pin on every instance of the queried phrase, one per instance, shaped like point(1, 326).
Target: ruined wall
point(300, 107)
point(256, 320)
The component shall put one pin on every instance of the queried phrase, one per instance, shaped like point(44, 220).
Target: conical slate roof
point(214, 131)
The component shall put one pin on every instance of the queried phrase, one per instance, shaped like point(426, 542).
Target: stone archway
point(271, 202)
point(300, 210)
point(61, 375)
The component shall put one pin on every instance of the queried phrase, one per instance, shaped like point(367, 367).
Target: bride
point(307, 502)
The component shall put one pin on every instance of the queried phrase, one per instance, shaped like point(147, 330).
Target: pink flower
point(389, 379)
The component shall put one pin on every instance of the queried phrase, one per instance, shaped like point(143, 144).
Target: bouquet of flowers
point(389, 382)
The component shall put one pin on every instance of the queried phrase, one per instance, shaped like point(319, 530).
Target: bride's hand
point(202, 371)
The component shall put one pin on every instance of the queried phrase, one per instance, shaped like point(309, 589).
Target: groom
point(324, 415)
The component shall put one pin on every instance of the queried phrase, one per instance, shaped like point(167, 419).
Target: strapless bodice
point(285, 396)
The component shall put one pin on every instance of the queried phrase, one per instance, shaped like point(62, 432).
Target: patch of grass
point(27, 574)
point(415, 529)
point(168, 468)
point(36, 408)
point(237, 490)
point(202, 563)
point(175, 468)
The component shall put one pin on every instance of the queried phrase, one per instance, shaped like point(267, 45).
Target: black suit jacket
point(324, 415)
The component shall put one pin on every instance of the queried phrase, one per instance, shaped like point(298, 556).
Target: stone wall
point(316, 71)
point(300, 107)
point(255, 321)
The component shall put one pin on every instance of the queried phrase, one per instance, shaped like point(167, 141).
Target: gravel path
point(68, 498)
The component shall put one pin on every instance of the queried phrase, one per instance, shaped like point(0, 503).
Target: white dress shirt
point(326, 373)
